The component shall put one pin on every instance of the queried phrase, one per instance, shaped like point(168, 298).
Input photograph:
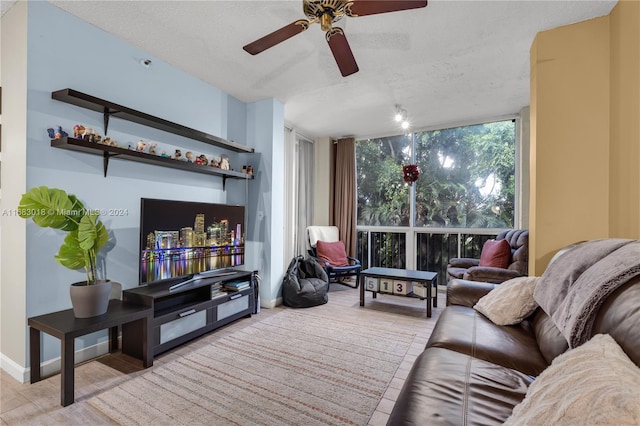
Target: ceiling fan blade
point(372, 7)
point(341, 51)
point(278, 36)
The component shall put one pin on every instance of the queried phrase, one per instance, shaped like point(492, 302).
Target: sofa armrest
point(490, 275)
point(463, 262)
point(467, 293)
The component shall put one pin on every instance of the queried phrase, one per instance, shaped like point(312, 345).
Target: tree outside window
point(467, 178)
point(383, 197)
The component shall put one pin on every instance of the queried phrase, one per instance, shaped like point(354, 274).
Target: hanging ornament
point(410, 173)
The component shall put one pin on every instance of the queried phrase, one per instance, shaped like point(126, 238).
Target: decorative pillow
point(496, 254)
point(593, 384)
point(334, 253)
point(510, 302)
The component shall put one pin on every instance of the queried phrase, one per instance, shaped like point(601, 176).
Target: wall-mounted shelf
point(110, 109)
point(107, 152)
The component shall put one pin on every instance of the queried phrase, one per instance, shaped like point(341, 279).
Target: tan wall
point(569, 138)
point(625, 120)
point(13, 304)
point(585, 133)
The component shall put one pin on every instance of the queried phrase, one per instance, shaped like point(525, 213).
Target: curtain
point(304, 202)
point(344, 192)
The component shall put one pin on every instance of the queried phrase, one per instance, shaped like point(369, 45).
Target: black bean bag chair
point(305, 284)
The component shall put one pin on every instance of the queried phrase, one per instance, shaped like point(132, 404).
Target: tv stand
point(185, 310)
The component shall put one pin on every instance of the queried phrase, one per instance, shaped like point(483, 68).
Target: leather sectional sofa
point(474, 372)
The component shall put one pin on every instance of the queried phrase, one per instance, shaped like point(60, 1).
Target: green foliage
point(54, 208)
point(466, 178)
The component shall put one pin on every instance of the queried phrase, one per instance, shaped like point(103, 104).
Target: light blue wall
point(265, 128)
point(65, 52)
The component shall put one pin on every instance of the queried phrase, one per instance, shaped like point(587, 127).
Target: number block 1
point(386, 285)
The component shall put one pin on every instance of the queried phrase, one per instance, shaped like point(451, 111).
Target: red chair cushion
point(496, 254)
point(334, 253)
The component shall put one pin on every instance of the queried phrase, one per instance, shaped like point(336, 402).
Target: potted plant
point(86, 236)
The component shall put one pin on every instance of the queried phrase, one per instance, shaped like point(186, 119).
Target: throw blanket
point(573, 287)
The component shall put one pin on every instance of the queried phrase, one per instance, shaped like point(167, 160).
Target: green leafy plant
point(54, 208)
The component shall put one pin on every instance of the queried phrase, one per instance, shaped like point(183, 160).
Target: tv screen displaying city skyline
point(179, 238)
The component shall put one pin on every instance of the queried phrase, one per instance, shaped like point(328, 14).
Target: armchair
point(475, 270)
point(332, 255)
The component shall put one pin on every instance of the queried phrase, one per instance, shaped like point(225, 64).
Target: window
point(467, 178)
point(383, 197)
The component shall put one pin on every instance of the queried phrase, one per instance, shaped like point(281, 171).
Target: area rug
point(297, 367)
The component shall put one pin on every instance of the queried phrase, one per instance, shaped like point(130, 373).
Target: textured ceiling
point(451, 62)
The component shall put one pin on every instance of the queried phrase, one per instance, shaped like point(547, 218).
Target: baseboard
point(14, 369)
point(52, 366)
point(270, 304)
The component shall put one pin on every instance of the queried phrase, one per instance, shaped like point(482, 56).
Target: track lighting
point(401, 117)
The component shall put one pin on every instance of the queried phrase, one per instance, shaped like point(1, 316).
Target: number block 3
point(402, 287)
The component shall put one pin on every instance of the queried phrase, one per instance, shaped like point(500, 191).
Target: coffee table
point(430, 280)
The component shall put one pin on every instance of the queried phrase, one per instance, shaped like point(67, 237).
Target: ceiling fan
point(327, 12)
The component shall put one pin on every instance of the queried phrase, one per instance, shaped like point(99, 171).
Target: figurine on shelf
point(202, 160)
point(178, 155)
point(141, 145)
point(244, 168)
point(106, 141)
point(152, 148)
point(224, 162)
point(78, 131)
point(164, 154)
point(130, 148)
point(214, 163)
point(88, 135)
point(57, 134)
point(250, 170)
point(189, 156)
point(113, 143)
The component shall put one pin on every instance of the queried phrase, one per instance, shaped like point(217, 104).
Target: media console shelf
point(187, 311)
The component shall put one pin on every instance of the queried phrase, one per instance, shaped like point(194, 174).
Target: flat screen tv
point(182, 238)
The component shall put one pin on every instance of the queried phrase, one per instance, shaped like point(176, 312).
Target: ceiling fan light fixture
point(325, 21)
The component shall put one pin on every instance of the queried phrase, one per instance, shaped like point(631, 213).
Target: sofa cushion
point(550, 340)
point(619, 317)
point(467, 331)
point(595, 383)
point(447, 387)
point(495, 253)
point(509, 303)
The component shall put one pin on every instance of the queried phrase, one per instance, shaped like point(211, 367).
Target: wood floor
point(39, 404)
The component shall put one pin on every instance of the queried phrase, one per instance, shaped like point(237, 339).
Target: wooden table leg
point(434, 283)
point(147, 343)
point(362, 295)
point(429, 297)
point(34, 355)
point(66, 371)
point(113, 339)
